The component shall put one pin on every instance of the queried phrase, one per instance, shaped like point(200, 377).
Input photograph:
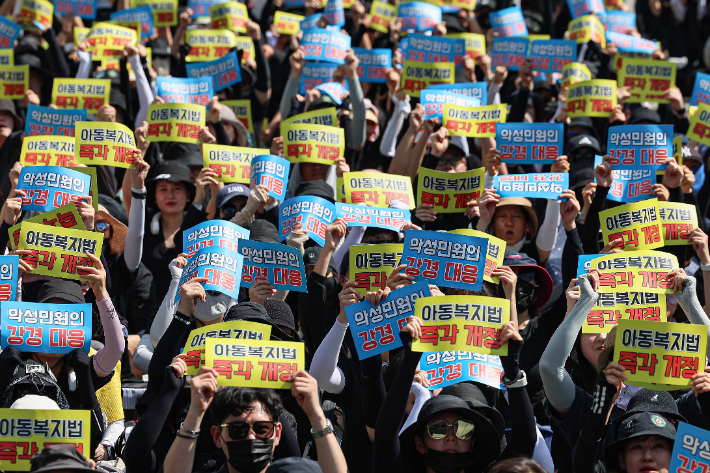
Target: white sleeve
point(421, 395)
point(112, 432)
point(324, 366)
point(388, 145)
point(84, 64)
point(493, 93)
point(353, 238)
point(487, 181)
point(167, 307)
point(133, 251)
point(144, 353)
point(547, 235)
point(145, 93)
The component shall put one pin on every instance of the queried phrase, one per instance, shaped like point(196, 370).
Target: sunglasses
point(102, 226)
point(238, 430)
point(438, 429)
point(229, 211)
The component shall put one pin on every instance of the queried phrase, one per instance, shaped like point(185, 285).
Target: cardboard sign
point(494, 256)
point(434, 100)
point(110, 36)
point(224, 71)
point(427, 49)
point(40, 11)
point(686, 456)
point(419, 16)
point(315, 74)
point(637, 224)
point(585, 7)
point(287, 23)
point(678, 222)
point(311, 22)
point(65, 216)
point(473, 121)
point(322, 45)
point(197, 91)
point(374, 64)
point(175, 122)
point(640, 145)
point(530, 143)
point(364, 216)
point(475, 43)
point(15, 81)
point(7, 56)
point(587, 28)
point(701, 89)
point(540, 186)
point(417, 76)
point(194, 350)
point(208, 45)
point(381, 13)
point(45, 328)
point(592, 98)
point(48, 121)
point(449, 192)
point(630, 185)
point(647, 79)
point(141, 15)
point(104, 144)
point(647, 260)
point(476, 90)
point(49, 187)
point(371, 265)
point(47, 151)
point(466, 323)
point(242, 110)
point(58, 251)
point(78, 94)
point(446, 368)
point(575, 72)
point(334, 13)
point(201, 8)
point(9, 274)
point(271, 172)
point(9, 30)
point(27, 431)
point(629, 305)
point(618, 21)
point(509, 22)
point(377, 189)
point(552, 55)
point(312, 213)
point(699, 129)
point(231, 163)
point(254, 363)
point(164, 11)
point(630, 44)
point(660, 352)
point(306, 143)
point(509, 52)
point(445, 259)
point(221, 266)
point(213, 233)
point(231, 15)
point(281, 265)
point(324, 116)
point(376, 329)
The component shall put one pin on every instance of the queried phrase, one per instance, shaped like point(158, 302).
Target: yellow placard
point(47, 151)
point(242, 110)
point(30, 430)
point(7, 57)
point(465, 323)
point(324, 116)
point(104, 144)
point(77, 94)
point(58, 251)
point(370, 265)
point(106, 54)
point(246, 44)
point(15, 81)
point(133, 25)
point(417, 76)
point(208, 45)
point(678, 149)
point(449, 192)
point(699, 129)
point(40, 11)
point(575, 72)
point(80, 35)
point(677, 221)
point(237, 329)
point(254, 363)
point(287, 23)
point(377, 189)
point(465, 4)
point(638, 224)
point(660, 352)
point(231, 163)
point(494, 256)
point(475, 43)
point(535, 37)
point(110, 36)
point(65, 216)
point(381, 13)
point(647, 79)
point(591, 98)
point(629, 305)
point(306, 143)
point(479, 122)
point(176, 122)
point(165, 12)
point(640, 271)
point(231, 15)
point(587, 28)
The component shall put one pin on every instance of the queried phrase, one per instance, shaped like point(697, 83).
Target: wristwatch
point(322, 433)
point(519, 382)
point(705, 267)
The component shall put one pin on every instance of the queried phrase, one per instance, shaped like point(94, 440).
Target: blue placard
point(701, 89)
point(315, 74)
point(50, 187)
point(375, 330)
point(445, 368)
point(222, 268)
point(197, 91)
point(52, 122)
point(334, 13)
point(639, 145)
point(631, 183)
point(509, 52)
point(201, 8)
point(319, 44)
point(334, 90)
point(217, 233)
point(9, 273)
point(9, 30)
point(45, 328)
point(378, 217)
point(630, 44)
point(143, 15)
point(423, 48)
point(586, 7)
point(552, 55)
point(478, 90)
point(445, 259)
point(583, 263)
point(271, 172)
point(433, 101)
point(281, 265)
point(294, 3)
point(691, 449)
point(224, 71)
point(85, 9)
point(618, 21)
point(310, 22)
point(530, 143)
point(537, 186)
point(374, 64)
point(312, 213)
point(419, 16)
point(509, 22)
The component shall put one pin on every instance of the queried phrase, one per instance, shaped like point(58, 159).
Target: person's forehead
point(255, 412)
point(236, 200)
point(510, 209)
point(449, 416)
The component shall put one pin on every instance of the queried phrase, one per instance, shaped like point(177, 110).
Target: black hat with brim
point(63, 457)
point(170, 171)
point(68, 291)
point(639, 424)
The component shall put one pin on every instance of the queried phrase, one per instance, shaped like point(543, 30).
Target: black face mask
point(250, 456)
point(525, 295)
point(446, 462)
point(483, 20)
point(330, 285)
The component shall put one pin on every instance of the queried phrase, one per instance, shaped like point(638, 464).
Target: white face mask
point(212, 308)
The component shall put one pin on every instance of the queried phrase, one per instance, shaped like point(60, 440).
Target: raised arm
point(133, 252)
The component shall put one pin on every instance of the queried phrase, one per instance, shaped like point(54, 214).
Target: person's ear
point(277, 434)
point(216, 437)
point(421, 448)
point(341, 280)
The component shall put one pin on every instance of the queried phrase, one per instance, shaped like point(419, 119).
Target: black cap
point(263, 230)
point(159, 47)
point(581, 178)
point(249, 311)
point(294, 465)
point(311, 255)
point(170, 171)
point(476, 400)
point(581, 121)
point(60, 458)
point(643, 114)
point(318, 188)
point(453, 23)
point(485, 4)
point(582, 141)
point(324, 101)
point(116, 97)
point(61, 289)
point(280, 313)
point(639, 424)
point(184, 153)
point(34, 61)
point(660, 402)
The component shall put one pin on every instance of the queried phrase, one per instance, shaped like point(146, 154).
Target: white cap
point(33, 401)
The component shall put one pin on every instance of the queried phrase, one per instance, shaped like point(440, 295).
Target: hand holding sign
point(348, 296)
point(96, 275)
point(190, 292)
point(603, 174)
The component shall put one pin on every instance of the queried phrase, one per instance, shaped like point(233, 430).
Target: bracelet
point(519, 382)
point(705, 267)
point(191, 437)
point(138, 195)
point(186, 319)
point(191, 432)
